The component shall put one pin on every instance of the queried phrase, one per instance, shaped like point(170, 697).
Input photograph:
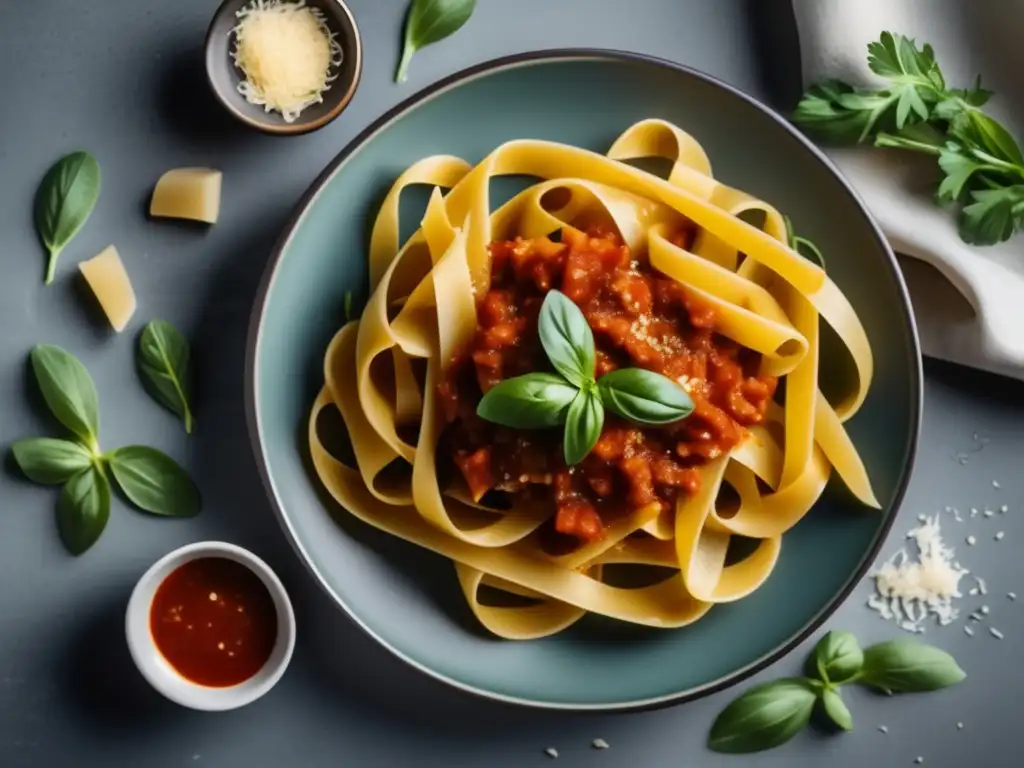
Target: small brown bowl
point(224, 76)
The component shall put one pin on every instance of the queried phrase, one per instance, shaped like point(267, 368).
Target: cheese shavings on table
point(909, 591)
point(287, 52)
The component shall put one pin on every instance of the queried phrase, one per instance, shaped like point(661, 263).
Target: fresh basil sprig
point(149, 479)
point(573, 396)
point(772, 713)
point(982, 164)
point(163, 362)
point(428, 22)
point(64, 200)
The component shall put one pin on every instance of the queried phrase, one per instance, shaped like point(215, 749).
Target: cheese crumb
point(551, 752)
point(971, 541)
point(1012, 595)
point(996, 633)
point(599, 744)
point(968, 631)
point(909, 591)
point(999, 536)
point(959, 726)
point(883, 728)
point(1004, 509)
point(287, 52)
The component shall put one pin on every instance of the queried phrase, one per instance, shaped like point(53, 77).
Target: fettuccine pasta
point(644, 529)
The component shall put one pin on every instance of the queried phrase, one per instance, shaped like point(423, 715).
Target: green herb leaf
point(567, 339)
point(837, 658)
point(992, 217)
point(163, 362)
point(802, 245)
point(835, 709)
point(994, 138)
point(69, 391)
point(907, 665)
point(764, 717)
point(583, 424)
point(959, 169)
point(644, 397)
point(83, 510)
point(821, 110)
point(50, 462)
point(533, 401)
point(64, 200)
point(154, 482)
point(428, 22)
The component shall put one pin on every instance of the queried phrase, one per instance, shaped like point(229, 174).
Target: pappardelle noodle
point(671, 280)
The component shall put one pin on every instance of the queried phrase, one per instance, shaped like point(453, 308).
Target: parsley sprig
point(981, 163)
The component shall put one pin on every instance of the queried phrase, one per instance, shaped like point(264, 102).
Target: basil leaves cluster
point(773, 713)
point(573, 396)
point(148, 478)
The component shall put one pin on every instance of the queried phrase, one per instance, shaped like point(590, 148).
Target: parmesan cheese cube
point(188, 193)
point(108, 279)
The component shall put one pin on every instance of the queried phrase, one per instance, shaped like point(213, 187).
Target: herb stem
point(51, 265)
point(403, 64)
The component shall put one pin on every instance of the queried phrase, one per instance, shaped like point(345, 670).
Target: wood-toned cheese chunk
point(188, 193)
point(109, 281)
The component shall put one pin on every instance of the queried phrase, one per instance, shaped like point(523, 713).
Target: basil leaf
point(163, 361)
point(428, 22)
point(50, 462)
point(583, 425)
point(68, 390)
point(763, 717)
point(644, 397)
point(567, 338)
point(64, 200)
point(908, 666)
point(83, 510)
point(154, 482)
point(836, 710)
point(533, 401)
point(837, 657)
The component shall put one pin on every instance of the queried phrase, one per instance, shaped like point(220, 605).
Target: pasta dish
point(599, 397)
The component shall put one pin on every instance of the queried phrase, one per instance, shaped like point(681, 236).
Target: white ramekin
point(162, 676)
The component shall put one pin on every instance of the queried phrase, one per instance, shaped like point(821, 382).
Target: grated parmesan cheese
point(909, 591)
point(286, 51)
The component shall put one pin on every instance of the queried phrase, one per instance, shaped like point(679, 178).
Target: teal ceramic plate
point(408, 599)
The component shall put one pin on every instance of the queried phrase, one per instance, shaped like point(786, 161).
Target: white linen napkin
point(985, 328)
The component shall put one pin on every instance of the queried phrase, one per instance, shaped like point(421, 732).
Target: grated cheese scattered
point(909, 591)
point(286, 51)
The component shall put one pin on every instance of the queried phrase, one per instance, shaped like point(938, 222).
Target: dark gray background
point(123, 79)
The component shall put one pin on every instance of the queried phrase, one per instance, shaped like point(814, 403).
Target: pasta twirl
point(662, 563)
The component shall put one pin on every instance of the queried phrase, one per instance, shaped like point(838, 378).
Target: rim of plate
point(397, 112)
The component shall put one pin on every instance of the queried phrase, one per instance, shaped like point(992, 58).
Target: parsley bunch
point(981, 163)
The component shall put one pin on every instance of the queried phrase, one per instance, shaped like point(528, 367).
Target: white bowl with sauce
point(192, 661)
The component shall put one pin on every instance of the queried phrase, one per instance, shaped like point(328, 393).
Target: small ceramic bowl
point(155, 668)
point(224, 76)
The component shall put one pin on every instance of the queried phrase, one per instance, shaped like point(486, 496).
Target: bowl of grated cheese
point(284, 67)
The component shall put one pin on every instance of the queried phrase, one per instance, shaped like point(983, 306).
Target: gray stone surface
point(123, 79)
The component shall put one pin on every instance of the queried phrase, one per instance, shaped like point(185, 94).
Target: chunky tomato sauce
point(641, 319)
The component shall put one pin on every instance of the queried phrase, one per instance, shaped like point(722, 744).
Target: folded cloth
point(969, 37)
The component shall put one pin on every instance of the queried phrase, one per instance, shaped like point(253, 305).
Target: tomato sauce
point(640, 318)
point(214, 621)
